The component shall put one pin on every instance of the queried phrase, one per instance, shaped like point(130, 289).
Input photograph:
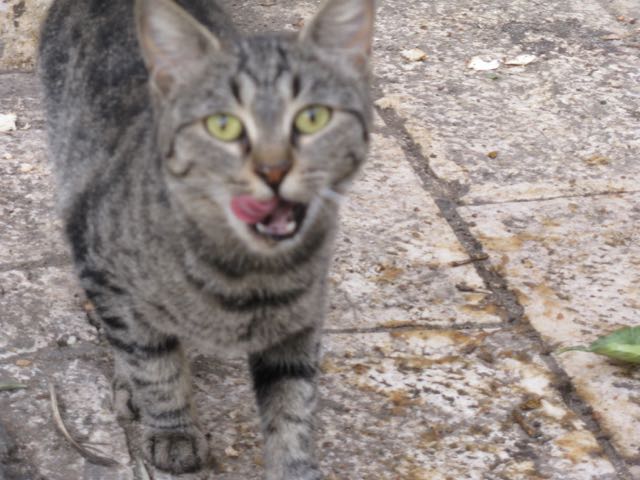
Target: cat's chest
point(249, 315)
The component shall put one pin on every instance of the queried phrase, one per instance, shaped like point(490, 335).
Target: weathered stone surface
point(471, 398)
point(574, 264)
point(19, 32)
point(20, 22)
point(85, 396)
point(29, 228)
point(39, 308)
point(562, 125)
point(451, 404)
point(393, 264)
point(46, 338)
point(416, 404)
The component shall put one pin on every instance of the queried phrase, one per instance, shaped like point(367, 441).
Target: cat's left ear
point(173, 43)
point(343, 28)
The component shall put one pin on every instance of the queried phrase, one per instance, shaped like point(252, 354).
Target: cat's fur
point(145, 195)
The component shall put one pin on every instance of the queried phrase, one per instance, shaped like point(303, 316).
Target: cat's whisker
point(319, 177)
point(315, 172)
point(333, 196)
point(230, 181)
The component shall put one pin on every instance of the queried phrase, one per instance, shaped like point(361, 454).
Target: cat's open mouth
point(274, 219)
point(284, 222)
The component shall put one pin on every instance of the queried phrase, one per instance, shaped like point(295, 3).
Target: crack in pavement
point(446, 195)
point(416, 327)
point(15, 72)
point(545, 199)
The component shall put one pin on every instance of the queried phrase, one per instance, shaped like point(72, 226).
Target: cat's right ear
point(173, 43)
point(344, 29)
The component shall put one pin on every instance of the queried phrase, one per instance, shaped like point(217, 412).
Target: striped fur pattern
point(145, 194)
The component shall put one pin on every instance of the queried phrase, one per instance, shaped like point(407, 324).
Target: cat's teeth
point(291, 226)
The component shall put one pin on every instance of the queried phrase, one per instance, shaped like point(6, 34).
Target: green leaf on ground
point(622, 344)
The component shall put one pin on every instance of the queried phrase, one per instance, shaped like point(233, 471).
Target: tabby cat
point(199, 173)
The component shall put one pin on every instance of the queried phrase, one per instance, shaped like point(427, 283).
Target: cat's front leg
point(153, 380)
point(284, 379)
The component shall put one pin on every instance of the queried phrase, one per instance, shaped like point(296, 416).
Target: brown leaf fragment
point(388, 273)
point(23, 362)
point(299, 23)
point(401, 398)
point(360, 369)
point(464, 287)
point(597, 161)
point(486, 355)
point(522, 421)
point(474, 258)
point(531, 402)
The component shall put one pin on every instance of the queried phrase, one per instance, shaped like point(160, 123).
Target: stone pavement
point(435, 366)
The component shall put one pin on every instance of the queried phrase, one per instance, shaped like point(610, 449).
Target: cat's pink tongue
point(252, 211)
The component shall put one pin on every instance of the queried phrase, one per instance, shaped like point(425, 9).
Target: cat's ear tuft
point(343, 28)
point(173, 43)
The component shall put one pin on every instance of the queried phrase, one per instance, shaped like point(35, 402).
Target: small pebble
point(66, 340)
point(481, 63)
point(7, 122)
point(414, 55)
point(231, 452)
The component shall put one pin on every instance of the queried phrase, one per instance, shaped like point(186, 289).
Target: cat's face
point(262, 135)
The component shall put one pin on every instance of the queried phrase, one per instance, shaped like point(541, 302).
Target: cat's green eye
point(225, 127)
point(312, 119)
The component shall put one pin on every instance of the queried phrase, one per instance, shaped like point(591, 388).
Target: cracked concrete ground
point(435, 367)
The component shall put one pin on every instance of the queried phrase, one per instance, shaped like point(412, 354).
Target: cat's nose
point(273, 174)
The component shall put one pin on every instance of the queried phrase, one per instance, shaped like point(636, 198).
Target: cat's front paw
point(176, 451)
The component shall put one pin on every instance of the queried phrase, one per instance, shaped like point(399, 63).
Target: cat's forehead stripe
point(265, 60)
